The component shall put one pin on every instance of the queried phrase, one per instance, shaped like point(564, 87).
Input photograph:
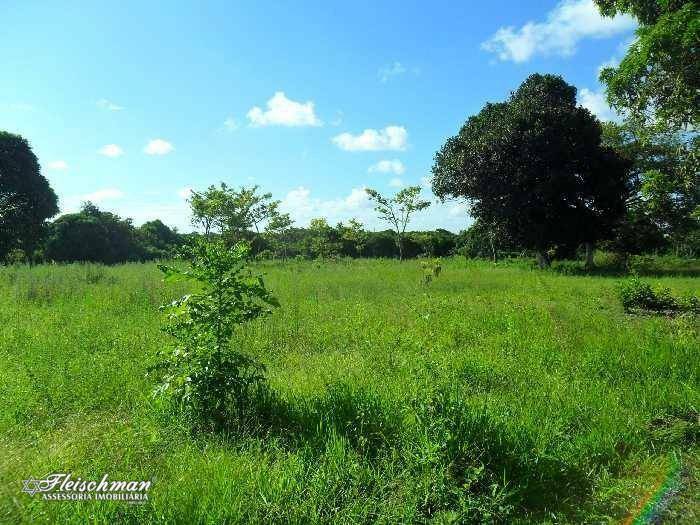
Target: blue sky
point(130, 103)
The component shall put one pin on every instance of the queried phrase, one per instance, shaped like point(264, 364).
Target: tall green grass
point(495, 393)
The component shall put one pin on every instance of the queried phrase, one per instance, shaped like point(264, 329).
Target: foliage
point(353, 237)
point(397, 210)
point(485, 241)
point(323, 241)
point(638, 294)
point(534, 166)
point(234, 213)
point(657, 83)
point(208, 208)
point(665, 176)
point(158, 240)
point(26, 198)
point(277, 230)
point(92, 235)
point(202, 373)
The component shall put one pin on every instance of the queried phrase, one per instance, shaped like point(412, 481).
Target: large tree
point(535, 167)
point(26, 198)
point(657, 83)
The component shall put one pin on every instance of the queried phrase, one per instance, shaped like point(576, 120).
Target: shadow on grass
point(578, 269)
point(467, 453)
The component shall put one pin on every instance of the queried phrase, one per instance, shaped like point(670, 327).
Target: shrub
point(431, 269)
point(638, 294)
point(202, 372)
point(15, 256)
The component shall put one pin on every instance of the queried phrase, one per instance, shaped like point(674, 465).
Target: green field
point(495, 393)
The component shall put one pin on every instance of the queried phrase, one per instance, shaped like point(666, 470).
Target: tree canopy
point(657, 83)
point(665, 174)
point(234, 213)
point(26, 198)
point(535, 166)
point(92, 235)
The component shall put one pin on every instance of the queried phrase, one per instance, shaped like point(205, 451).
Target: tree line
point(541, 176)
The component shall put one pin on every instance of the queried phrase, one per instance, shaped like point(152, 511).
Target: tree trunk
point(400, 243)
point(543, 260)
point(590, 251)
point(493, 248)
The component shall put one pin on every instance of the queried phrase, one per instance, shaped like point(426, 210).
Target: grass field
point(495, 393)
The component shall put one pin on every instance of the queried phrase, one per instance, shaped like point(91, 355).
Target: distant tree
point(381, 244)
point(353, 237)
point(277, 230)
point(397, 210)
point(436, 243)
point(535, 166)
point(484, 241)
point(208, 207)
point(657, 83)
point(234, 213)
point(26, 198)
point(250, 209)
point(157, 239)
point(324, 242)
point(92, 235)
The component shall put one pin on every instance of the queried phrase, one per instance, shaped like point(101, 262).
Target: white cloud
point(185, 192)
point(303, 207)
point(396, 182)
point(597, 104)
point(102, 195)
point(111, 150)
point(158, 147)
point(282, 111)
point(389, 138)
point(108, 105)
point(388, 166)
point(568, 23)
point(230, 124)
point(358, 198)
point(58, 165)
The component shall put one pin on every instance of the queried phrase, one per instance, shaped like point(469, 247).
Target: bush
point(15, 256)
point(638, 294)
point(202, 373)
point(431, 269)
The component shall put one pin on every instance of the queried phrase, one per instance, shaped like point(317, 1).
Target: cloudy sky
point(129, 104)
